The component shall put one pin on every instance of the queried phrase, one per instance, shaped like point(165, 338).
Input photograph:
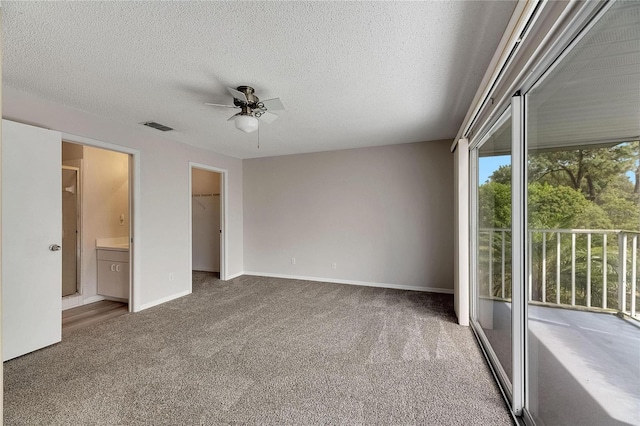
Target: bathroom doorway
point(207, 220)
point(96, 206)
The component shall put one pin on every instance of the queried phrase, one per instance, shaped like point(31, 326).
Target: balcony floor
point(587, 363)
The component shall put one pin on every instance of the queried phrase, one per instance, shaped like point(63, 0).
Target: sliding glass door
point(555, 217)
point(491, 312)
point(583, 126)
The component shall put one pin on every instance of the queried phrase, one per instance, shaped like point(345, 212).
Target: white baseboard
point(72, 301)
point(236, 275)
point(161, 301)
point(352, 282)
point(195, 268)
point(76, 300)
point(92, 299)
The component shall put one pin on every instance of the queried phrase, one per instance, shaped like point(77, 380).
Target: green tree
point(557, 207)
point(588, 170)
point(502, 175)
point(621, 204)
point(585, 188)
point(494, 205)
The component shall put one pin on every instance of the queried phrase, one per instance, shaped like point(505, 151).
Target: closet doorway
point(207, 219)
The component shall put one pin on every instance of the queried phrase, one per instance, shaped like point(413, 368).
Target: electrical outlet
point(293, 260)
point(334, 265)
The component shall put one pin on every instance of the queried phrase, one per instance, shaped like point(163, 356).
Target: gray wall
point(384, 215)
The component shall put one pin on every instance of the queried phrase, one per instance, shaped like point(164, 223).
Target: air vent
point(158, 126)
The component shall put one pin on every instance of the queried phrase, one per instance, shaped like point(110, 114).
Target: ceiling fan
point(252, 108)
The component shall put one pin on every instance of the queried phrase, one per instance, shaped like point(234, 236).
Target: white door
point(31, 232)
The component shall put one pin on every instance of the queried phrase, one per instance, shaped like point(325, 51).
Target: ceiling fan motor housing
point(251, 108)
point(248, 91)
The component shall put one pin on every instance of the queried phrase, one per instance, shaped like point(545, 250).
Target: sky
point(488, 165)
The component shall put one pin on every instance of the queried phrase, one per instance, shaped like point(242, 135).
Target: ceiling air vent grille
point(157, 126)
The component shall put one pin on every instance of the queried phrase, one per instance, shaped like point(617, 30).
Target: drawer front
point(113, 255)
point(113, 279)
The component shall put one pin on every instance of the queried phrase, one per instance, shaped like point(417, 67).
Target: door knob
point(54, 247)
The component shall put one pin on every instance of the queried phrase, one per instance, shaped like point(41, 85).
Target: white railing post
point(503, 264)
point(634, 251)
point(530, 261)
point(589, 270)
point(605, 265)
point(573, 269)
point(622, 272)
point(544, 267)
point(558, 268)
point(491, 262)
point(624, 254)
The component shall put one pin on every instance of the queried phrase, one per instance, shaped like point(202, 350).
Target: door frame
point(79, 227)
point(223, 217)
point(134, 212)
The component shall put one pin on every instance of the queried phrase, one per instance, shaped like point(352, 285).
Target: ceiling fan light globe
point(246, 123)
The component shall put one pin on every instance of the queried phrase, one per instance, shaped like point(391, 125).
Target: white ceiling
point(351, 74)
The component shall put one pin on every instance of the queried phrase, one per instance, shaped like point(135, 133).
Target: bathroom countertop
point(117, 243)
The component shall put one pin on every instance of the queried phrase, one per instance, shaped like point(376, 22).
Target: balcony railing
point(589, 268)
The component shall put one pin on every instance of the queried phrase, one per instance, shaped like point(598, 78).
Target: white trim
point(352, 282)
point(76, 300)
point(92, 299)
point(236, 275)
point(566, 19)
point(473, 234)
point(71, 301)
point(204, 270)
point(79, 216)
point(521, 17)
point(163, 300)
point(462, 246)
point(518, 252)
point(135, 255)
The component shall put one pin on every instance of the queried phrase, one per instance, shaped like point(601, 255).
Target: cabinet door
point(113, 279)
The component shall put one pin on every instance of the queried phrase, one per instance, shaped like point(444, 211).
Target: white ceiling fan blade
point(268, 117)
point(233, 116)
point(223, 106)
point(273, 104)
point(237, 94)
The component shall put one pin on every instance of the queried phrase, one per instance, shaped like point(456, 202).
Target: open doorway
point(207, 220)
point(96, 231)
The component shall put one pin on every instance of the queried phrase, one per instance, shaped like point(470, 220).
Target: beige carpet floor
point(259, 350)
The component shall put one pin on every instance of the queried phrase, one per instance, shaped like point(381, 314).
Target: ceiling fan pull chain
point(258, 137)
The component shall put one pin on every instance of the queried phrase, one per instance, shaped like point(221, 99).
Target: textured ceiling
point(351, 74)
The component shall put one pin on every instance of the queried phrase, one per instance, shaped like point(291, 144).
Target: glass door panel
point(492, 295)
point(583, 215)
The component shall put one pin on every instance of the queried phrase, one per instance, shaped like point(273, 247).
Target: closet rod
point(204, 195)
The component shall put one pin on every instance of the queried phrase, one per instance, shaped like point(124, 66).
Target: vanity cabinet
point(113, 273)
